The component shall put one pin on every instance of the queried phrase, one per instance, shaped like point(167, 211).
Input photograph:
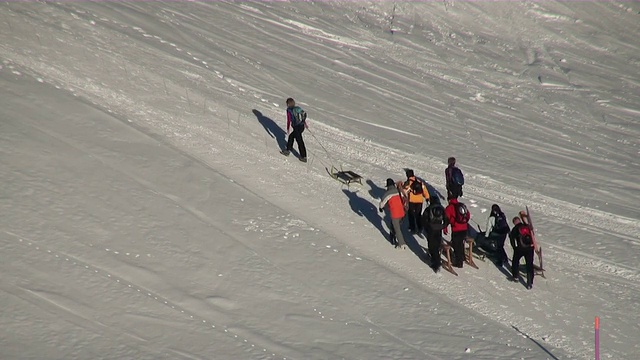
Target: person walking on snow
point(454, 179)
point(497, 230)
point(417, 193)
point(296, 119)
point(458, 216)
point(434, 221)
point(394, 202)
point(523, 246)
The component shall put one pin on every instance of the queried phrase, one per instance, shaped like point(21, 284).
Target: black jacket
point(514, 235)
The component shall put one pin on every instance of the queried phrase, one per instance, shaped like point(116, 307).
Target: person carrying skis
point(393, 200)
point(454, 179)
point(523, 246)
point(296, 119)
point(434, 221)
point(417, 193)
point(497, 231)
point(458, 216)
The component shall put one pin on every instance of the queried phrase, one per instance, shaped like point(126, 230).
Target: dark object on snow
point(345, 177)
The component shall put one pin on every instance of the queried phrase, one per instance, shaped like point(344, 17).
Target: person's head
point(516, 220)
point(495, 209)
point(409, 173)
point(451, 161)
point(390, 182)
point(291, 102)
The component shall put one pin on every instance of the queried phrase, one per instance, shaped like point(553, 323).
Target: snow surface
point(146, 211)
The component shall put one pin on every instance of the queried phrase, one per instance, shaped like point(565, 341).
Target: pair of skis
point(525, 216)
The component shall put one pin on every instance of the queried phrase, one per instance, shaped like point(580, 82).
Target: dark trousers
point(457, 244)
point(414, 213)
point(296, 135)
point(501, 255)
point(454, 190)
point(527, 253)
point(434, 241)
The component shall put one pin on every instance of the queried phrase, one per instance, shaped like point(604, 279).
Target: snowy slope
point(145, 196)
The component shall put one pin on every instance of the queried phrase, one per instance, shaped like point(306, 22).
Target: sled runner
point(445, 249)
point(468, 252)
point(346, 177)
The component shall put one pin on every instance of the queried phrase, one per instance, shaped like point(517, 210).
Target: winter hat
point(451, 160)
point(390, 182)
point(409, 173)
point(495, 209)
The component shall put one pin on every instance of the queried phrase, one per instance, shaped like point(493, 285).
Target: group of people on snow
point(406, 198)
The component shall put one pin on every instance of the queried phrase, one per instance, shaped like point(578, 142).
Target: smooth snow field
point(146, 212)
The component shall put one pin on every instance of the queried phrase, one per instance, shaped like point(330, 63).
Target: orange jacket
point(396, 204)
point(415, 198)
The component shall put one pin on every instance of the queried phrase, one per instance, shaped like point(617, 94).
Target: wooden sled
point(445, 249)
point(346, 177)
point(468, 252)
point(539, 269)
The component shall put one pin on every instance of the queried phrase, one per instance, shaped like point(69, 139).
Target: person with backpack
point(296, 119)
point(393, 200)
point(497, 231)
point(522, 243)
point(417, 193)
point(434, 221)
point(454, 178)
point(458, 216)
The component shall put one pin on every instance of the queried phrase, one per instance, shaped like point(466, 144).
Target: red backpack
point(526, 237)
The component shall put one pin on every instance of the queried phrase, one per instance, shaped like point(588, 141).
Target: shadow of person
point(272, 128)
point(375, 191)
point(414, 245)
point(366, 209)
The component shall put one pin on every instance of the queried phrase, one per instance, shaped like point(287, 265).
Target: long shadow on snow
point(272, 128)
point(535, 342)
point(376, 191)
point(366, 209)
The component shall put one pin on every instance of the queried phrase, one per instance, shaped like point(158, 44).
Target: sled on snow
point(445, 249)
point(346, 177)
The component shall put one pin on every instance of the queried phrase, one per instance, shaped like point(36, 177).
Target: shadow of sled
point(345, 177)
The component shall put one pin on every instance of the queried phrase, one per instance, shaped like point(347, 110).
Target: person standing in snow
point(454, 179)
point(296, 119)
point(497, 230)
point(417, 193)
point(393, 200)
point(458, 216)
point(522, 243)
point(434, 221)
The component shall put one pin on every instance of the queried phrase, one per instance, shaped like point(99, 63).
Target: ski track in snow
point(187, 82)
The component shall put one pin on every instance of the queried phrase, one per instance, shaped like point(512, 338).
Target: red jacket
point(394, 201)
point(450, 212)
